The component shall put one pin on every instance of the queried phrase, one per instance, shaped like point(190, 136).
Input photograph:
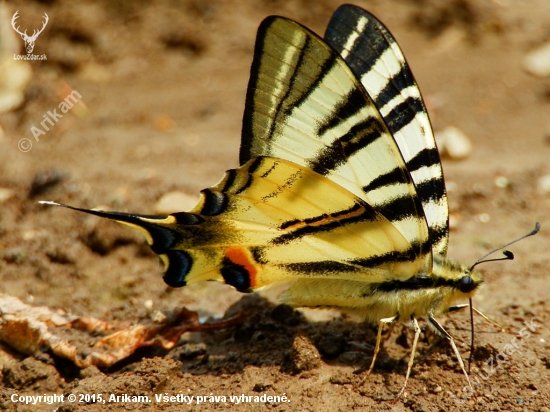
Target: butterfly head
point(462, 279)
point(467, 284)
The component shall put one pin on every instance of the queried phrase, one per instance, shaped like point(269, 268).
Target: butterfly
point(340, 193)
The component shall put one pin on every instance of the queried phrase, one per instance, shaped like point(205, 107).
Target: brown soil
point(164, 84)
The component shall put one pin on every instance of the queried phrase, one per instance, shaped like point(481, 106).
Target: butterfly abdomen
point(417, 296)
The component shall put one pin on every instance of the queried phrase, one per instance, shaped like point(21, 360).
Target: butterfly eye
point(466, 284)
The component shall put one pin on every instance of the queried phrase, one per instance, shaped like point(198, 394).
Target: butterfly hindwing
point(306, 106)
point(287, 222)
point(272, 220)
point(376, 59)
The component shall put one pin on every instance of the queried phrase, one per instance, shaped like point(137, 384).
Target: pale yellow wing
point(272, 220)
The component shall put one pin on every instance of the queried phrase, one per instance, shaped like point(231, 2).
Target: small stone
point(303, 355)
point(260, 387)
point(537, 61)
point(454, 220)
point(332, 345)
point(484, 217)
point(543, 185)
point(352, 357)
point(159, 316)
point(173, 202)
point(5, 194)
point(454, 143)
point(192, 350)
point(502, 182)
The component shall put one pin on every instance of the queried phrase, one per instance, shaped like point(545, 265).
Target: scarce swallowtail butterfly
point(339, 192)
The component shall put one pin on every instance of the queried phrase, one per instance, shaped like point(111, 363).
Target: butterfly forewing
point(375, 58)
point(305, 105)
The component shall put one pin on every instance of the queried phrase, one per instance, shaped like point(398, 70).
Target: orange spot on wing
point(242, 257)
point(323, 220)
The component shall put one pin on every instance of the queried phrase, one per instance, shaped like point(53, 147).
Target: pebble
point(5, 194)
point(175, 201)
point(454, 143)
point(192, 350)
point(303, 356)
point(543, 185)
point(454, 220)
point(352, 357)
point(332, 345)
point(502, 182)
point(537, 61)
point(483, 217)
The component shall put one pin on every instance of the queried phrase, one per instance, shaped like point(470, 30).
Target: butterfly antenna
point(507, 256)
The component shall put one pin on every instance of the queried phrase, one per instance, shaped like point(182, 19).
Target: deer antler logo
point(29, 40)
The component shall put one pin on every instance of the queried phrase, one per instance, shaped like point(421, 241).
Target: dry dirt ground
point(163, 84)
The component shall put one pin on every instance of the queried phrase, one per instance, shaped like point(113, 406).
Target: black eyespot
point(466, 284)
point(235, 275)
point(179, 265)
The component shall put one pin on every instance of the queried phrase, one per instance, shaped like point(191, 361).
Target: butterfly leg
point(457, 307)
point(480, 313)
point(382, 322)
point(440, 329)
point(411, 360)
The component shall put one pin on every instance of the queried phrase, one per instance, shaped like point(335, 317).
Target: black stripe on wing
point(352, 104)
point(324, 223)
point(398, 82)
point(407, 255)
point(331, 267)
point(340, 150)
point(402, 114)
